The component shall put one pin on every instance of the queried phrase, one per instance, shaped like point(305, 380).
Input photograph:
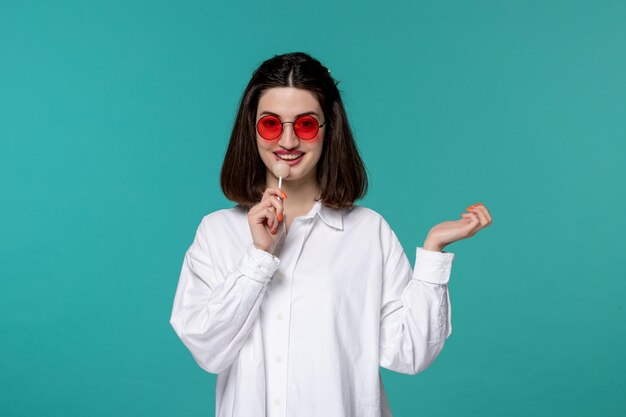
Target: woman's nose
point(288, 138)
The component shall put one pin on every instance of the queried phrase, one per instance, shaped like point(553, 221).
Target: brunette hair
point(340, 171)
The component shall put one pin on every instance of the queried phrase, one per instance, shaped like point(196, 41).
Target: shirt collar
point(331, 216)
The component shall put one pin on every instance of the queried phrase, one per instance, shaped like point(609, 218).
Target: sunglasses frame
point(293, 123)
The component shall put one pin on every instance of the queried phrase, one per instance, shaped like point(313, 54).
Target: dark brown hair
point(340, 171)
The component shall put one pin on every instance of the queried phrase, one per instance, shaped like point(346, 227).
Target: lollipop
point(281, 170)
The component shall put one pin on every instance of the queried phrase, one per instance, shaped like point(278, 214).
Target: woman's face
point(287, 103)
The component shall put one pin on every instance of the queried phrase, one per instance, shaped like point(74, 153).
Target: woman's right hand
point(265, 217)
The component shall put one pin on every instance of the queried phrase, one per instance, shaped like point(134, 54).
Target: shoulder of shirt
point(373, 225)
point(358, 214)
point(223, 216)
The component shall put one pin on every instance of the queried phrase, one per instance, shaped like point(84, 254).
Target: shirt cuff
point(433, 267)
point(258, 264)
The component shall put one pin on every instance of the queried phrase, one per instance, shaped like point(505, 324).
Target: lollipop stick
point(280, 169)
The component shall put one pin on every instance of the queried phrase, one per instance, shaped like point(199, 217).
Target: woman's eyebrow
point(297, 115)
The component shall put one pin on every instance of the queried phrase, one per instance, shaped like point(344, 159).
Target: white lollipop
point(281, 170)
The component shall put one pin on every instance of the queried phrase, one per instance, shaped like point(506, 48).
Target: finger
point(474, 221)
point(273, 197)
point(270, 213)
point(276, 192)
point(277, 204)
point(481, 215)
point(262, 213)
point(257, 212)
point(275, 222)
point(271, 200)
point(470, 218)
point(484, 211)
point(270, 218)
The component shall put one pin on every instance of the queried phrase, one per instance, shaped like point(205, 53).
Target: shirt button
point(278, 359)
point(279, 316)
point(276, 402)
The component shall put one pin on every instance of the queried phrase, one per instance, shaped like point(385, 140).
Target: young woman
point(302, 328)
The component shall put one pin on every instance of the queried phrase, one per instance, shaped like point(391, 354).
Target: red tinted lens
point(269, 127)
point(306, 127)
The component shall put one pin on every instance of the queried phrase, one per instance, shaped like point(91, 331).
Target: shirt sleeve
point(213, 315)
point(415, 308)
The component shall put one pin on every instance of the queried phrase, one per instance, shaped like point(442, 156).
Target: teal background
point(114, 118)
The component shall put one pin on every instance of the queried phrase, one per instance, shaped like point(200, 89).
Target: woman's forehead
point(287, 101)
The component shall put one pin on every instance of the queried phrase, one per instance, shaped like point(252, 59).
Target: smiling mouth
point(289, 157)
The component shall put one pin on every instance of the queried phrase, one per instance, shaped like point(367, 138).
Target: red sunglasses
point(305, 127)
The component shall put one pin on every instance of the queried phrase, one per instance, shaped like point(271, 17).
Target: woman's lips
point(289, 158)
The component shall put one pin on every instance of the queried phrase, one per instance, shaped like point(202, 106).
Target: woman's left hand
point(448, 232)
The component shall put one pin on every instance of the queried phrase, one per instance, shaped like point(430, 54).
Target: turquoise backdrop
point(114, 118)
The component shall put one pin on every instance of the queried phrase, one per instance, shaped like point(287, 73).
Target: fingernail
point(470, 207)
point(280, 217)
point(283, 195)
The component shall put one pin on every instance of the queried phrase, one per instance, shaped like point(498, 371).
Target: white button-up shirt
point(305, 331)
